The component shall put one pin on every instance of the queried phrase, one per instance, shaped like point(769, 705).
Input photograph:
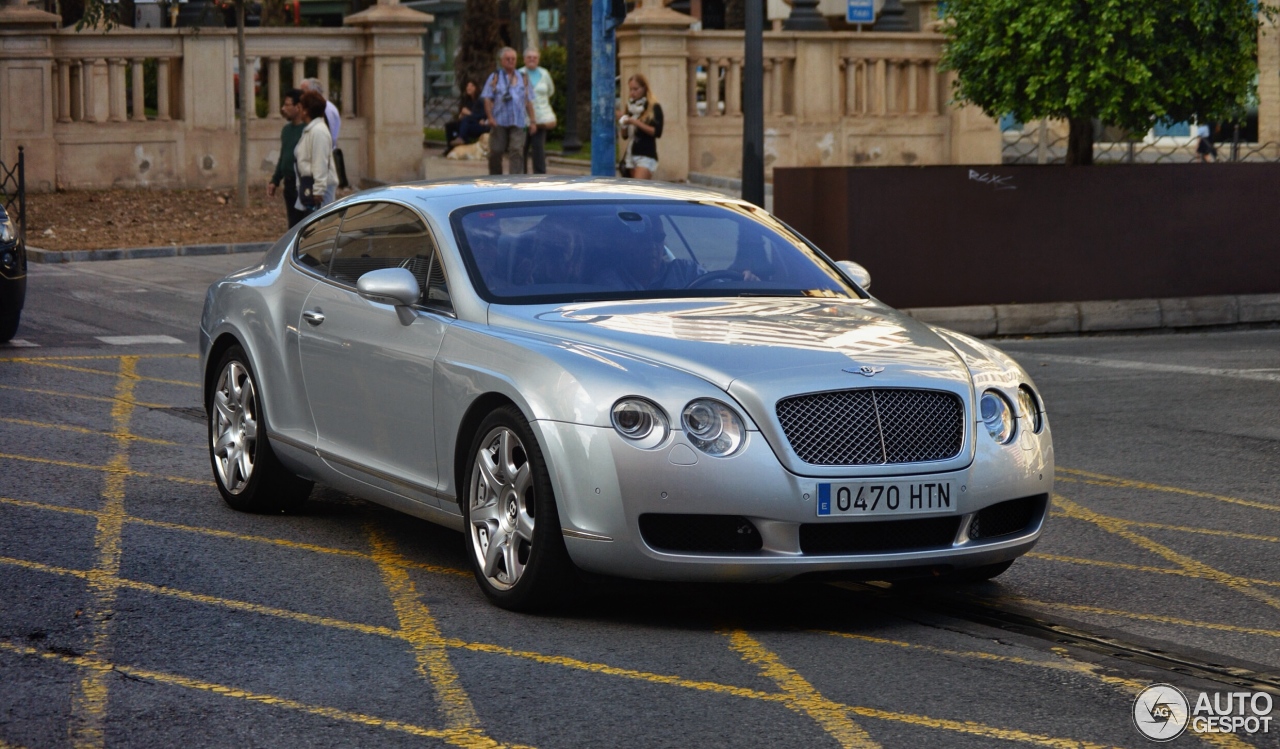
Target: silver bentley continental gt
point(624, 378)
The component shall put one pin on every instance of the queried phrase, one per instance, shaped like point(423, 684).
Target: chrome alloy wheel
point(234, 432)
point(501, 508)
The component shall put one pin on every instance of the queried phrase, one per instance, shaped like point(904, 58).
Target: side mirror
point(855, 272)
point(389, 286)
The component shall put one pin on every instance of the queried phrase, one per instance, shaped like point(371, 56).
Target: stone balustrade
point(159, 107)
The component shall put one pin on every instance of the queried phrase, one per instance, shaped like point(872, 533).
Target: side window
point(385, 235)
point(315, 243)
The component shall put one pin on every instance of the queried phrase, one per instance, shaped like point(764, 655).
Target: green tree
point(1125, 62)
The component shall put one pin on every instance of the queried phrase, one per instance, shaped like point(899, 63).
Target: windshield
point(557, 252)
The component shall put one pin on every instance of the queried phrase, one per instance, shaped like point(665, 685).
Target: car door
point(368, 372)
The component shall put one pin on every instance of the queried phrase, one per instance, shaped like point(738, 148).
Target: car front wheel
point(249, 476)
point(513, 530)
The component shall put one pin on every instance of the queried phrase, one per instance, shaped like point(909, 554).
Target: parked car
point(13, 277)
point(629, 379)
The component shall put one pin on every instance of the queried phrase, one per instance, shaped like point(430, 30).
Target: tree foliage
point(1126, 62)
point(479, 42)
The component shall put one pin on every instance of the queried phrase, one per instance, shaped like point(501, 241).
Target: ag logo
point(1161, 712)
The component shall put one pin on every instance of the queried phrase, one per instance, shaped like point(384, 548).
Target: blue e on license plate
point(885, 498)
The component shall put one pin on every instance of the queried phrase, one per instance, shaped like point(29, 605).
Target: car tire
point(976, 574)
point(249, 475)
point(10, 314)
point(512, 528)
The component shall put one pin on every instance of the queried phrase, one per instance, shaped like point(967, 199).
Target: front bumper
point(604, 486)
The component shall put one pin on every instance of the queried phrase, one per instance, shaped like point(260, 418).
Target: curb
point(37, 255)
point(1103, 317)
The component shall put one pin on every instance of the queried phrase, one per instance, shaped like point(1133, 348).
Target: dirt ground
point(124, 219)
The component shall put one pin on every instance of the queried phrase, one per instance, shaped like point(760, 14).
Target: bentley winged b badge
point(865, 370)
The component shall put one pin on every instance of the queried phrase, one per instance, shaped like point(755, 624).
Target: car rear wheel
point(513, 530)
point(249, 476)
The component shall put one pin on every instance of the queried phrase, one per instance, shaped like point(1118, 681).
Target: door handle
point(313, 316)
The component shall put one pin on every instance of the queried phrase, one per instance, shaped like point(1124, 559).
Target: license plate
point(885, 498)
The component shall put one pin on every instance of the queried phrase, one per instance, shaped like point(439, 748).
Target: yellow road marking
point(976, 729)
point(91, 370)
point(82, 430)
point(1104, 480)
point(1082, 608)
point(89, 700)
point(216, 533)
point(97, 357)
point(832, 716)
point(80, 396)
point(6, 745)
point(109, 468)
point(1120, 528)
point(419, 628)
point(1190, 529)
point(1136, 567)
point(555, 660)
point(464, 739)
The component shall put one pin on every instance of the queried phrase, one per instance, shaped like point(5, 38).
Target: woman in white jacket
point(313, 156)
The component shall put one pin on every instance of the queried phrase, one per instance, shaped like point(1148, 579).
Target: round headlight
point(1030, 408)
point(639, 421)
point(713, 427)
point(6, 232)
point(997, 415)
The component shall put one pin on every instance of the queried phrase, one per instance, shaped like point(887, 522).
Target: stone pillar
point(654, 41)
point(348, 87)
point(1268, 81)
point(139, 92)
point(27, 92)
point(273, 87)
point(117, 103)
point(391, 97)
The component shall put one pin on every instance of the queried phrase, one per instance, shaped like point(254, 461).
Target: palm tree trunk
point(246, 101)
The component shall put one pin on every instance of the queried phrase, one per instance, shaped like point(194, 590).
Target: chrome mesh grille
point(873, 426)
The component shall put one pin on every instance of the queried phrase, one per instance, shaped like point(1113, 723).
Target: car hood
point(797, 345)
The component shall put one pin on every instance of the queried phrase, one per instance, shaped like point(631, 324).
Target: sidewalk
point(1065, 318)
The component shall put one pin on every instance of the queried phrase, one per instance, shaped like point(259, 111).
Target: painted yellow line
point(1071, 665)
point(216, 533)
point(122, 471)
point(419, 628)
point(91, 370)
point(6, 745)
point(576, 664)
point(976, 729)
point(1136, 567)
point(1191, 529)
point(79, 396)
point(1131, 484)
point(97, 357)
point(89, 699)
point(1120, 528)
point(1137, 616)
point(82, 430)
point(459, 738)
point(832, 716)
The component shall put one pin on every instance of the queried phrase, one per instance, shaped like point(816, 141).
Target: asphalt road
point(137, 610)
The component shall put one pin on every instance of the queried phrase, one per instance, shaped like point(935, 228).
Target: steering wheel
point(716, 275)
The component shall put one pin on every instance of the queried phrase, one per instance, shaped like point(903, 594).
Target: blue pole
point(604, 55)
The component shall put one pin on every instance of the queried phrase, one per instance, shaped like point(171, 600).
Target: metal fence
point(1044, 145)
point(13, 189)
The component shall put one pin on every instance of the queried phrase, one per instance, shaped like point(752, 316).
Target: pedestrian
point(508, 105)
point(641, 125)
point(313, 156)
point(470, 123)
point(545, 117)
point(1206, 151)
point(334, 122)
point(284, 176)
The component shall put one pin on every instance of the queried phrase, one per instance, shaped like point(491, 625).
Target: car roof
point(443, 197)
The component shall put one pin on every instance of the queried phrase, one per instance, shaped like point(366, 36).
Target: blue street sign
point(860, 11)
